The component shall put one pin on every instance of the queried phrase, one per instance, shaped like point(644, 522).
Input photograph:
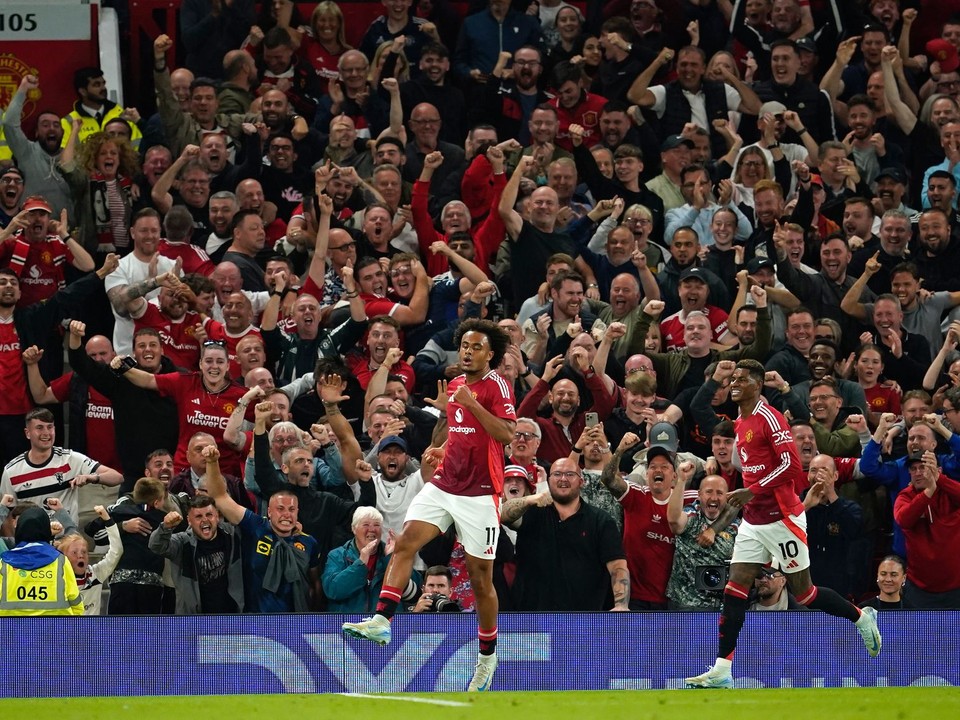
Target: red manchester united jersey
point(770, 465)
point(473, 461)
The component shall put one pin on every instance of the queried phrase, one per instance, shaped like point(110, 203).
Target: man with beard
point(823, 292)
point(395, 486)
point(890, 192)
point(624, 308)
point(684, 261)
point(857, 224)
point(821, 363)
point(703, 536)
point(773, 526)
point(139, 276)
point(215, 159)
point(431, 86)
point(143, 420)
point(206, 559)
point(282, 180)
point(568, 417)
point(567, 317)
point(92, 107)
point(296, 352)
point(483, 35)
point(594, 448)
point(40, 248)
point(938, 252)
point(871, 152)
point(508, 105)
point(36, 160)
point(575, 106)
point(383, 335)
point(648, 539)
point(221, 209)
point(567, 550)
point(11, 192)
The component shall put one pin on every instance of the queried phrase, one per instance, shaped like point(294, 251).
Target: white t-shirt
point(34, 483)
point(131, 271)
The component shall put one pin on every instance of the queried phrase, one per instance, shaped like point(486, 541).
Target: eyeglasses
point(403, 270)
point(638, 221)
point(524, 436)
point(345, 246)
point(752, 163)
point(821, 398)
point(569, 474)
point(526, 63)
point(11, 181)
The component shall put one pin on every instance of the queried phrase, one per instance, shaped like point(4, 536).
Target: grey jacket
point(41, 176)
point(181, 549)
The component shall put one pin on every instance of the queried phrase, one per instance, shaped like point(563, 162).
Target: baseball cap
point(674, 141)
point(773, 107)
point(11, 170)
point(944, 53)
point(815, 179)
point(392, 440)
point(519, 471)
point(664, 436)
point(770, 571)
point(37, 203)
point(696, 273)
point(914, 458)
point(756, 264)
point(807, 44)
point(894, 173)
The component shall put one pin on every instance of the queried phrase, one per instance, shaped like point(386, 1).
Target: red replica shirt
point(473, 462)
point(14, 398)
point(202, 411)
point(101, 437)
point(770, 465)
point(649, 544)
point(585, 113)
point(42, 272)
point(359, 365)
point(177, 337)
point(671, 328)
point(194, 259)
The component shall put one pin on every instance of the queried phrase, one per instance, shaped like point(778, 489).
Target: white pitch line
point(401, 698)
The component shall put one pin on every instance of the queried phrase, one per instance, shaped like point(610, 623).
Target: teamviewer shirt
point(202, 411)
point(473, 462)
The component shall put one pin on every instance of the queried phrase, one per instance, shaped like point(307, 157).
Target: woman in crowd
point(891, 577)
point(324, 41)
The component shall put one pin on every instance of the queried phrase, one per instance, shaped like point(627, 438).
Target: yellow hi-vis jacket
point(30, 588)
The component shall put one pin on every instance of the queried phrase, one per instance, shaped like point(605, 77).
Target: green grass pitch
point(836, 704)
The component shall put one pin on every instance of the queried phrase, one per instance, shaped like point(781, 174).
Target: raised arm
point(217, 487)
point(232, 434)
point(932, 375)
point(610, 477)
point(160, 194)
point(136, 376)
point(350, 452)
point(639, 92)
point(903, 115)
point(41, 392)
point(416, 312)
point(676, 517)
point(511, 218)
point(851, 304)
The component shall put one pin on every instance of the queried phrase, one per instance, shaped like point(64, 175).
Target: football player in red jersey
point(773, 527)
point(464, 490)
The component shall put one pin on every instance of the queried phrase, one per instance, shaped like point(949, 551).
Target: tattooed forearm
point(512, 510)
point(610, 477)
point(620, 580)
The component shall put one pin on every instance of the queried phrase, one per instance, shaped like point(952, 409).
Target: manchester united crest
point(12, 71)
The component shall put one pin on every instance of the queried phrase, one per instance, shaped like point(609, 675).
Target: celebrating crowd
point(244, 310)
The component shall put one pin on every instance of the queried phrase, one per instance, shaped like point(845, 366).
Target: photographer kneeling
point(436, 591)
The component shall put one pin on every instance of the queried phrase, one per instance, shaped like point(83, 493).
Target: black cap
point(894, 173)
point(675, 141)
point(696, 273)
point(659, 450)
point(770, 571)
point(807, 43)
point(756, 264)
point(914, 458)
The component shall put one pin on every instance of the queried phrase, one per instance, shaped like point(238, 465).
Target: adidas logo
point(489, 550)
point(656, 518)
point(196, 401)
point(792, 564)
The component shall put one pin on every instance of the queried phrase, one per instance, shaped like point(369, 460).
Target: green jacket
point(672, 367)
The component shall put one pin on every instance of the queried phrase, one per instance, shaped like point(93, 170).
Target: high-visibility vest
point(49, 590)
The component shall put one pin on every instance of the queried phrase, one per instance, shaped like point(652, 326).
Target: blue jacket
point(895, 476)
point(482, 39)
point(345, 580)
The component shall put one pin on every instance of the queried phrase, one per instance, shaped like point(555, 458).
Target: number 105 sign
point(45, 20)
